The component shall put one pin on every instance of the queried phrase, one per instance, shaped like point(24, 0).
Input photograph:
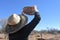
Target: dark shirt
point(23, 33)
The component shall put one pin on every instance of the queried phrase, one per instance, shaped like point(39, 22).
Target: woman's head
point(16, 22)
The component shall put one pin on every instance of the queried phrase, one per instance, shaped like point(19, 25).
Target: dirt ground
point(3, 36)
point(35, 37)
point(45, 36)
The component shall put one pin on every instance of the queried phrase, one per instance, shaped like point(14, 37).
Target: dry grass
point(52, 36)
point(46, 36)
point(3, 36)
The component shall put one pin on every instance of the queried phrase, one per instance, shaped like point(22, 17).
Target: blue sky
point(49, 11)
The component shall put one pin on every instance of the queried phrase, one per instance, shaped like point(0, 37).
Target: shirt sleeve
point(30, 26)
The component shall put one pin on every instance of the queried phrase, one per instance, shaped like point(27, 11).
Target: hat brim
point(18, 26)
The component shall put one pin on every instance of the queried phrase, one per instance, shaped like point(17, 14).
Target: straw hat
point(15, 23)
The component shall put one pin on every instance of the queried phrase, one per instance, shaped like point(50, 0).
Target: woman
point(18, 29)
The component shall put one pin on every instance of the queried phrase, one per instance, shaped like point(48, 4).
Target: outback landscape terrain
point(37, 35)
point(50, 35)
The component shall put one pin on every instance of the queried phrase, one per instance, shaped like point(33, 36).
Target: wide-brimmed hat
point(19, 21)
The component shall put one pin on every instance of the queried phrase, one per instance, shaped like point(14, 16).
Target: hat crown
point(14, 18)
